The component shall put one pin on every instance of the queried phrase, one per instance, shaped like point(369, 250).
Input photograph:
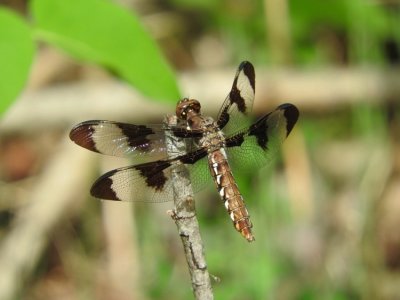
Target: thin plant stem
point(184, 215)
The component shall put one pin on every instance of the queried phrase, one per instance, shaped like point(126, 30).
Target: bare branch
point(184, 215)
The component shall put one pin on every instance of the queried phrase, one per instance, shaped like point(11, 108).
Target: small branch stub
point(184, 215)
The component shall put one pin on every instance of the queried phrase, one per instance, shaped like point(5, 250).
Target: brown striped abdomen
point(230, 193)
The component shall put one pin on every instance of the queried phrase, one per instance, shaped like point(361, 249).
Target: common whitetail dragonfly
point(212, 147)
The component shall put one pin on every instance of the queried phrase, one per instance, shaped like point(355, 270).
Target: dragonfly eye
point(186, 106)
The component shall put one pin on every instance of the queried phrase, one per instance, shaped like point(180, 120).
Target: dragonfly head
point(187, 107)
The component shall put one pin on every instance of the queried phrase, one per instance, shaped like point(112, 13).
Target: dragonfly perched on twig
point(212, 147)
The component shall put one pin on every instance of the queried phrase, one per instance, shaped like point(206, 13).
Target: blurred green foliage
point(106, 34)
point(362, 24)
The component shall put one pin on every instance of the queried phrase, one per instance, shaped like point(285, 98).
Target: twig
point(184, 215)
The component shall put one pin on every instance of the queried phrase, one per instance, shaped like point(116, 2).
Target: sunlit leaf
point(16, 55)
point(103, 33)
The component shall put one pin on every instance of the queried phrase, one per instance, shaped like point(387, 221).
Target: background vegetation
point(325, 213)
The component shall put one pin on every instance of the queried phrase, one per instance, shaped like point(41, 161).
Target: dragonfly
point(215, 148)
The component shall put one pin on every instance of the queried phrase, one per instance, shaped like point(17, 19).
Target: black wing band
point(126, 140)
point(257, 145)
point(239, 102)
point(145, 182)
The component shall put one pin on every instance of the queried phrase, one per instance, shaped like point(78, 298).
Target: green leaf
point(16, 55)
point(101, 32)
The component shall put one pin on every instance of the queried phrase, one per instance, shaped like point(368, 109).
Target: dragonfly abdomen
point(229, 192)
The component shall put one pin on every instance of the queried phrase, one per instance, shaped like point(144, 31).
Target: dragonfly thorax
point(213, 138)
